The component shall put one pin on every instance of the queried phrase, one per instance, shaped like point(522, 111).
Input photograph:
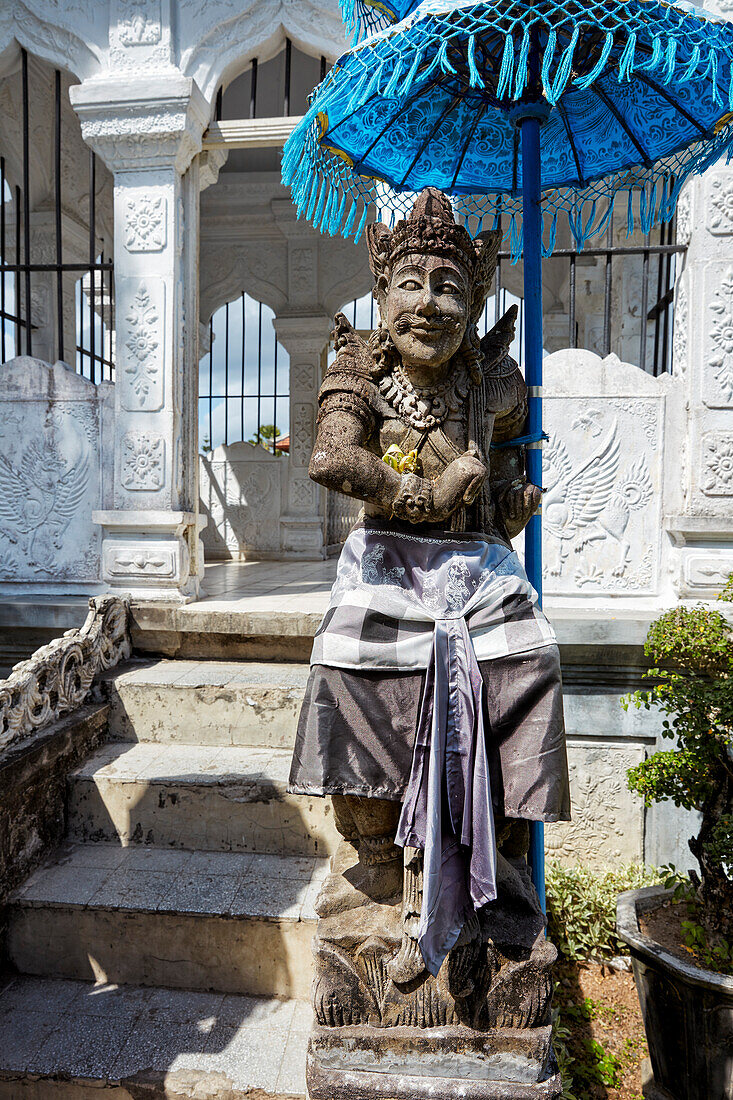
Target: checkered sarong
point(391, 588)
point(403, 601)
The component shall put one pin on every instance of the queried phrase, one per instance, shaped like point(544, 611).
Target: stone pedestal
point(148, 132)
point(480, 1030)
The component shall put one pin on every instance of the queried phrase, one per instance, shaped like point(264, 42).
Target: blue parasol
point(539, 111)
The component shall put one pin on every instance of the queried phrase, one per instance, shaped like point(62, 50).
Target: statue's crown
point(431, 228)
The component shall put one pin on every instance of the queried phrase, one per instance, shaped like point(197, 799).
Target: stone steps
point(205, 797)
point(204, 702)
point(220, 921)
point(70, 1038)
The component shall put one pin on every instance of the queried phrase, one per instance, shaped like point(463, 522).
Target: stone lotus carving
point(58, 677)
point(717, 462)
point(145, 224)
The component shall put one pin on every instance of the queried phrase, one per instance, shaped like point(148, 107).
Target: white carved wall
point(54, 429)
point(604, 476)
point(241, 497)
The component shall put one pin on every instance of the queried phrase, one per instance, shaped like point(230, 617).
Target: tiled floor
point(259, 585)
point(111, 1032)
point(219, 883)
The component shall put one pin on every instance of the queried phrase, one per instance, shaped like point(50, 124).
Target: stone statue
point(433, 712)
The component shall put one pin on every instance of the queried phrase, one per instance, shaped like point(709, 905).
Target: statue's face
point(425, 308)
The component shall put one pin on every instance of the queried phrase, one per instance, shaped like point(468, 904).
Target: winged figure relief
point(41, 493)
point(592, 502)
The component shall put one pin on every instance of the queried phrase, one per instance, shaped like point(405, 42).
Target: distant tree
point(266, 437)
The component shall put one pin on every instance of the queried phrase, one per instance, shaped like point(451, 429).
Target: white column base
point(302, 537)
point(146, 554)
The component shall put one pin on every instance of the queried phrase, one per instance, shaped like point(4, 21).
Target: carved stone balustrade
point(58, 677)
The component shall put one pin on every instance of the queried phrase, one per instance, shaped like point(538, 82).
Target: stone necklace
point(424, 408)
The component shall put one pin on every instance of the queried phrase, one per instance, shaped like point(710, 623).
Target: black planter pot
point(687, 1011)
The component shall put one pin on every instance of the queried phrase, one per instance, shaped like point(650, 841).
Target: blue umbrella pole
point(532, 232)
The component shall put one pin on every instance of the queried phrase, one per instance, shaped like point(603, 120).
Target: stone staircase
point(167, 944)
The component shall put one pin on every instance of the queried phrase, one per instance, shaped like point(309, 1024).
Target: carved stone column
point(301, 524)
point(702, 524)
point(148, 131)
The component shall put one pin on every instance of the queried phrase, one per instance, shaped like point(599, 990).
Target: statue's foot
point(408, 964)
point(378, 882)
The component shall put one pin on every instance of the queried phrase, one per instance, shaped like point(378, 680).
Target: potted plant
point(681, 934)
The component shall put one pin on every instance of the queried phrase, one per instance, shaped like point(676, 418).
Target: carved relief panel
point(50, 476)
point(608, 820)
point(718, 329)
point(240, 489)
point(602, 508)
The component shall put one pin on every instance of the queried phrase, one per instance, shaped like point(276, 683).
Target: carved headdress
point(432, 228)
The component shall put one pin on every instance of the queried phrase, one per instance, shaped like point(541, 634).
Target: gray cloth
point(447, 809)
point(356, 734)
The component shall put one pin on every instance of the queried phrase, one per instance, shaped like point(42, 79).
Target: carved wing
point(71, 489)
point(497, 341)
point(13, 486)
point(351, 349)
point(557, 462)
point(589, 489)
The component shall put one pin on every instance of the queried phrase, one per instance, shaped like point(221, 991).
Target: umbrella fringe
point(584, 82)
point(655, 60)
point(626, 61)
point(351, 218)
point(314, 200)
point(547, 61)
point(506, 72)
point(362, 223)
point(564, 69)
point(521, 71)
point(407, 83)
point(691, 66)
point(603, 223)
point(321, 203)
point(443, 58)
point(394, 79)
point(474, 77)
point(630, 213)
point(515, 240)
point(669, 61)
point(340, 213)
point(550, 247)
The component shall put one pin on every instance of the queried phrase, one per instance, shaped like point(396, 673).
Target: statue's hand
point(459, 484)
point(517, 505)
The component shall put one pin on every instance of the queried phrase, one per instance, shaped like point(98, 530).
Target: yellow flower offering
point(401, 462)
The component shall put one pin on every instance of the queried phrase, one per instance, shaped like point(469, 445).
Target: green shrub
point(693, 690)
point(581, 907)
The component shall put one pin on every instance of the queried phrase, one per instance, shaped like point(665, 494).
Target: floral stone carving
point(143, 461)
point(717, 464)
point(721, 339)
point(145, 226)
point(143, 366)
point(58, 677)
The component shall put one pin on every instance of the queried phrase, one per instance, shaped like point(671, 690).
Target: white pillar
point(148, 132)
point(702, 523)
point(301, 525)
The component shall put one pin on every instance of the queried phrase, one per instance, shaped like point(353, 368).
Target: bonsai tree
point(693, 687)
